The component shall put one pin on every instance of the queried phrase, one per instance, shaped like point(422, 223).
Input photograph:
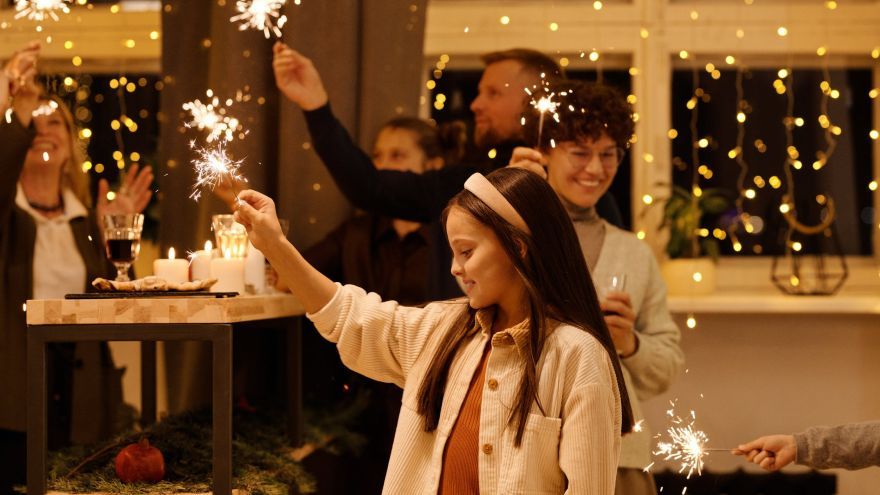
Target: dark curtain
point(369, 53)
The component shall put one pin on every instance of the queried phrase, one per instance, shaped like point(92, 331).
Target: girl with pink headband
point(516, 388)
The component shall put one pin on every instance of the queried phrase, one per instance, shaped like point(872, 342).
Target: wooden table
point(149, 320)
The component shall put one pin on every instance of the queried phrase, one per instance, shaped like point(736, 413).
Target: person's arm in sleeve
point(589, 446)
point(659, 357)
point(419, 197)
point(851, 446)
point(375, 338)
point(406, 195)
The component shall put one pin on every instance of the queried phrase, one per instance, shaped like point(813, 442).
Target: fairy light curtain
point(369, 54)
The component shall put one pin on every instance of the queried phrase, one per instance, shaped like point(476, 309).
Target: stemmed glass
point(230, 235)
point(122, 241)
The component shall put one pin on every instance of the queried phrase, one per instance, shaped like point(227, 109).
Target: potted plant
point(692, 247)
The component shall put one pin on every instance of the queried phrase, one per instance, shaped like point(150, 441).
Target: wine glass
point(122, 241)
point(230, 235)
point(615, 282)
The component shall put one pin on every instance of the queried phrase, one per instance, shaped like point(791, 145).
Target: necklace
point(47, 208)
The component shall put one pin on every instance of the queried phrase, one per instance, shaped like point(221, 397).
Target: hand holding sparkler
point(297, 78)
point(529, 159)
point(256, 212)
point(772, 452)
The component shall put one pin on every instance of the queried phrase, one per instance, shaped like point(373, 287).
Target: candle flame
point(208, 246)
point(171, 253)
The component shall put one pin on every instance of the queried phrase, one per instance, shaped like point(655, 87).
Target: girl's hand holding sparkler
point(297, 78)
point(772, 452)
point(256, 212)
point(529, 159)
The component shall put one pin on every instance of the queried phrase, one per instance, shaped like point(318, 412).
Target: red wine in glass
point(122, 241)
point(121, 250)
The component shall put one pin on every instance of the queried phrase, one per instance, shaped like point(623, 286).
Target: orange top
point(460, 474)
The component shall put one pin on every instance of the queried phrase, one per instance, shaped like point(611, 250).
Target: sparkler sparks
point(262, 15)
point(543, 105)
point(212, 166)
point(686, 444)
point(212, 117)
point(39, 10)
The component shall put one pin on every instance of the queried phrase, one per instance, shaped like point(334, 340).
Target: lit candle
point(200, 263)
point(171, 270)
point(229, 273)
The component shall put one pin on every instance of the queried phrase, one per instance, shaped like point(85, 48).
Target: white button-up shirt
point(572, 448)
point(59, 268)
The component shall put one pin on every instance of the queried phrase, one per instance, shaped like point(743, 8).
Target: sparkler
point(686, 443)
point(544, 105)
point(262, 15)
point(211, 117)
point(39, 10)
point(212, 166)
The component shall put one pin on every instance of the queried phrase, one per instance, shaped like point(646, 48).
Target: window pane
point(844, 178)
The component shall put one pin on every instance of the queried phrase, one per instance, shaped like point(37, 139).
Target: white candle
point(200, 263)
point(229, 273)
point(254, 271)
point(171, 270)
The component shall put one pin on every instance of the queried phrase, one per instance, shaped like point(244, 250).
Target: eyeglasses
point(581, 156)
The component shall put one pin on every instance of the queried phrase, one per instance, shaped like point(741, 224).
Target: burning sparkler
point(686, 444)
point(212, 166)
point(544, 105)
point(263, 15)
point(39, 10)
point(211, 117)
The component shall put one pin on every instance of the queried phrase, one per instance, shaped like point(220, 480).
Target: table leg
point(222, 408)
point(36, 413)
point(148, 383)
point(294, 383)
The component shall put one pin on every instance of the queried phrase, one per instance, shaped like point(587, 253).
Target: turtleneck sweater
point(590, 229)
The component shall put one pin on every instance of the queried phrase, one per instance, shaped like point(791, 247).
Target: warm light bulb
point(691, 322)
point(698, 277)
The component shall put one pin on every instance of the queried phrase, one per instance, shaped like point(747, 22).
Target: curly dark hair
point(586, 110)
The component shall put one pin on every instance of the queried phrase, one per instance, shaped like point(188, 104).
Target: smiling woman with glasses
point(584, 150)
point(580, 156)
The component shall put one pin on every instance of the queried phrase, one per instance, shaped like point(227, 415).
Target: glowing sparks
point(638, 428)
point(40, 10)
point(213, 166)
point(686, 444)
point(212, 117)
point(45, 109)
point(544, 105)
point(262, 15)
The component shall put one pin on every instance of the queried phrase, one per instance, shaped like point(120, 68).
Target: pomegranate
point(140, 462)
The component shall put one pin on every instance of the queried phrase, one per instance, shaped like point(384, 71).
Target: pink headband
point(483, 189)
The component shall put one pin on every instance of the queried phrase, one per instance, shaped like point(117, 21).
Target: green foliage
point(683, 215)
point(261, 455)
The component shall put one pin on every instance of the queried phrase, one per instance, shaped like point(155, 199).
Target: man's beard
point(488, 137)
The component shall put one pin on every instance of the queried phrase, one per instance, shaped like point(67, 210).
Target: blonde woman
point(50, 245)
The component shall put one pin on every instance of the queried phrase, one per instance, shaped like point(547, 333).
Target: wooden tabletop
point(161, 310)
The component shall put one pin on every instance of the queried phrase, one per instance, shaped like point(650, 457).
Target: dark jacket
point(85, 388)
point(408, 195)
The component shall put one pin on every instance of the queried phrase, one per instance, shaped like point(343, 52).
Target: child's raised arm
point(256, 212)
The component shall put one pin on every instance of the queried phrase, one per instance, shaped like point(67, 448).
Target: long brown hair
point(72, 174)
point(558, 286)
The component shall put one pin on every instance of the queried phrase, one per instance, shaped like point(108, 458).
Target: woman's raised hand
point(297, 78)
point(132, 197)
point(529, 159)
point(256, 212)
point(21, 68)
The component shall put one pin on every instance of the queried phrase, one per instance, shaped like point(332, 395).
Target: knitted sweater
point(659, 358)
point(852, 446)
